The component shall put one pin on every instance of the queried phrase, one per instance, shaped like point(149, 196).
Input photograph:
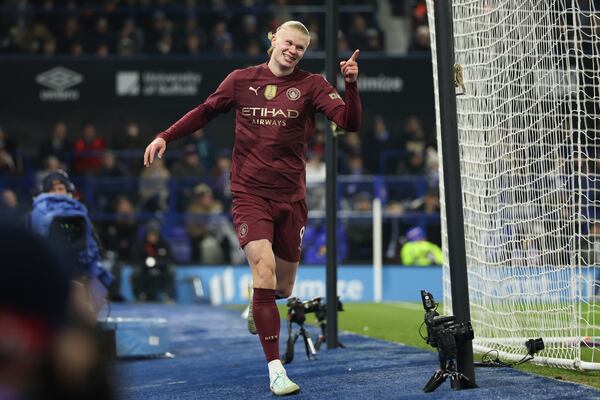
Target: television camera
point(442, 333)
point(297, 311)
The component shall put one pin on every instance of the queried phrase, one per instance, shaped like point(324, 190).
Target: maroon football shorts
point(283, 224)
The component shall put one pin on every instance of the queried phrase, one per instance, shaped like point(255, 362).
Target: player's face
point(289, 46)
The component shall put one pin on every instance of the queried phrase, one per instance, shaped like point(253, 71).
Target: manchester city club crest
point(293, 94)
point(243, 230)
point(270, 91)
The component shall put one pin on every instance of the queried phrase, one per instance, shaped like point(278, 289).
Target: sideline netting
point(529, 129)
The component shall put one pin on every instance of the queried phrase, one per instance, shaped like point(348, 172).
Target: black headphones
point(58, 175)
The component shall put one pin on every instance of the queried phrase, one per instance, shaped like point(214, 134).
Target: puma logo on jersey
point(254, 90)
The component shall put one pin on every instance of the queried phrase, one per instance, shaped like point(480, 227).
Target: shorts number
point(301, 235)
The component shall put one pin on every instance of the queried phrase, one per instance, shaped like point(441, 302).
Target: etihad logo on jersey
point(265, 115)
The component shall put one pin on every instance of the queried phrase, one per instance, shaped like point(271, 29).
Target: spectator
point(204, 148)
point(211, 234)
point(193, 44)
point(247, 33)
point(414, 164)
point(315, 182)
point(379, 140)
point(128, 146)
point(51, 164)
point(57, 145)
point(7, 163)
point(9, 205)
point(71, 36)
point(153, 278)
point(193, 36)
point(87, 151)
point(101, 37)
point(357, 33)
point(222, 39)
point(111, 167)
point(343, 45)
point(154, 187)
point(421, 41)
point(119, 234)
point(11, 157)
point(419, 15)
point(186, 170)
point(317, 144)
point(374, 40)
point(131, 37)
point(119, 237)
point(314, 243)
point(351, 144)
point(222, 174)
point(49, 47)
point(360, 231)
point(355, 165)
point(160, 27)
point(414, 135)
point(418, 251)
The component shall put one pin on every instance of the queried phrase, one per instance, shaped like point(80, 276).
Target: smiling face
point(288, 45)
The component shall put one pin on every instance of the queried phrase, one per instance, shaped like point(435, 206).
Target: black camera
point(442, 331)
point(298, 309)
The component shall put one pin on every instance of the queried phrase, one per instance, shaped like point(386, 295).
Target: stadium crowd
point(166, 27)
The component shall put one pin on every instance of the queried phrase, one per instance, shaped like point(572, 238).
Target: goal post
point(529, 134)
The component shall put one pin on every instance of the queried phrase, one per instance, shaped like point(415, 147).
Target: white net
point(530, 170)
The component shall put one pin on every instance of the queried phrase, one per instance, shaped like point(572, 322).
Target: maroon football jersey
point(275, 118)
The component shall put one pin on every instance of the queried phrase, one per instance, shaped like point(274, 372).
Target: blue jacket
point(48, 206)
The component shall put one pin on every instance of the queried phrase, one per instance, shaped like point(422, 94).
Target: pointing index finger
point(354, 55)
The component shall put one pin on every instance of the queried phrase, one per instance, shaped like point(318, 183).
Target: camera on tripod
point(442, 333)
point(297, 310)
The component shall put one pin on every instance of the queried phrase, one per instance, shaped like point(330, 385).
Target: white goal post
point(529, 137)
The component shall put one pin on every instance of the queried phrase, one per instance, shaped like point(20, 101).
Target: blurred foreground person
point(45, 353)
point(275, 105)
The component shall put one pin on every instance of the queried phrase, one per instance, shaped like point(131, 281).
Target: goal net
point(529, 134)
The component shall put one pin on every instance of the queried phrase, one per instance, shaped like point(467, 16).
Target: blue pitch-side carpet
point(216, 358)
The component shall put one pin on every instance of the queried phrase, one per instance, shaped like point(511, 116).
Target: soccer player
point(275, 106)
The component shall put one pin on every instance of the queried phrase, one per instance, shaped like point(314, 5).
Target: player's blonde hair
point(297, 25)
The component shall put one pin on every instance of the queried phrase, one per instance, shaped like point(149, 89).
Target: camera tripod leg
point(323, 336)
point(288, 357)
point(435, 381)
point(308, 344)
point(460, 381)
point(320, 341)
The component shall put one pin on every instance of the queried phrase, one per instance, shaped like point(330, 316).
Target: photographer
point(57, 215)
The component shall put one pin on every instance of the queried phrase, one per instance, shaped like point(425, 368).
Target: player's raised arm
point(349, 67)
point(222, 100)
point(346, 112)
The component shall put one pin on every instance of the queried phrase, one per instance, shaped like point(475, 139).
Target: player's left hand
point(349, 68)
